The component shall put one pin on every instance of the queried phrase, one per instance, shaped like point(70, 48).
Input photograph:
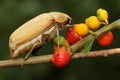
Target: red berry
point(61, 59)
point(106, 39)
point(71, 36)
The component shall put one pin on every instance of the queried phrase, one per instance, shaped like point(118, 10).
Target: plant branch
point(47, 58)
point(80, 44)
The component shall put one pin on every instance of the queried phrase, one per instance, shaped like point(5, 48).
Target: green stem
point(80, 44)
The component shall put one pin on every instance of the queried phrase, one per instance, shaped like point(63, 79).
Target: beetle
point(36, 32)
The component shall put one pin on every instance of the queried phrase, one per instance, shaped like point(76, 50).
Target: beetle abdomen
point(31, 29)
point(38, 40)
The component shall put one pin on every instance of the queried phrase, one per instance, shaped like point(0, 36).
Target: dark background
point(14, 13)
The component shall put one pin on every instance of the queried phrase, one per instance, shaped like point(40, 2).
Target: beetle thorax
point(61, 19)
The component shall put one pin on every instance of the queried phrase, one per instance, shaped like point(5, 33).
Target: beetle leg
point(45, 38)
point(58, 35)
point(27, 56)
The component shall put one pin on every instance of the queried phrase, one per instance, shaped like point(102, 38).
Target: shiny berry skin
point(106, 39)
point(61, 58)
point(81, 29)
point(71, 36)
point(93, 22)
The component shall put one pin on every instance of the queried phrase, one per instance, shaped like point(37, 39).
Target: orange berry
point(81, 29)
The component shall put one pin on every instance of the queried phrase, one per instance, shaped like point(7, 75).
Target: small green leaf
point(88, 46)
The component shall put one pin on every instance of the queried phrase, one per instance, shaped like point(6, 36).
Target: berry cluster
point(79, 31)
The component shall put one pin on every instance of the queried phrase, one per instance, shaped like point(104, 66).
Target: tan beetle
point(36, 32)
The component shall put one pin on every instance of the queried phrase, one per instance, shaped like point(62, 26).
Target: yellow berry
point(81, 29)
point(93, 22)
point(102, 15)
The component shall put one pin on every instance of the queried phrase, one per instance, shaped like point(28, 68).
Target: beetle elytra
point(36, 32)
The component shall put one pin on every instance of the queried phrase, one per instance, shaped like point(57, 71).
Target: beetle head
point(68, 21)
point(62, 19)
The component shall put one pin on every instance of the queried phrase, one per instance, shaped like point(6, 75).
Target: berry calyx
point(106, 39)
point(81, 29)
point(61, 58)
point(102, 15)
point(71, 36)
point(93, 22)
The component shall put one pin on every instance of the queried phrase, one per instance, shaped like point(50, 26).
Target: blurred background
point(13, 13)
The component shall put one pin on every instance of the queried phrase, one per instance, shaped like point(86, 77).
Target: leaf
point(88, 46)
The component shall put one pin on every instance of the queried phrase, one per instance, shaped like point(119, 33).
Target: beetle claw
point(24, 62)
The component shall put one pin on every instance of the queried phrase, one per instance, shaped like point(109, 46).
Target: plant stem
point(47, 58)
point(80, 44)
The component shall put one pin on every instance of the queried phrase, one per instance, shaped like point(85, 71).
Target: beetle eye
point(68, 21)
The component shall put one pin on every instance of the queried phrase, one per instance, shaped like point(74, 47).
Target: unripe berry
point(102, 15)
point(93, 22)
point(61, 39)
